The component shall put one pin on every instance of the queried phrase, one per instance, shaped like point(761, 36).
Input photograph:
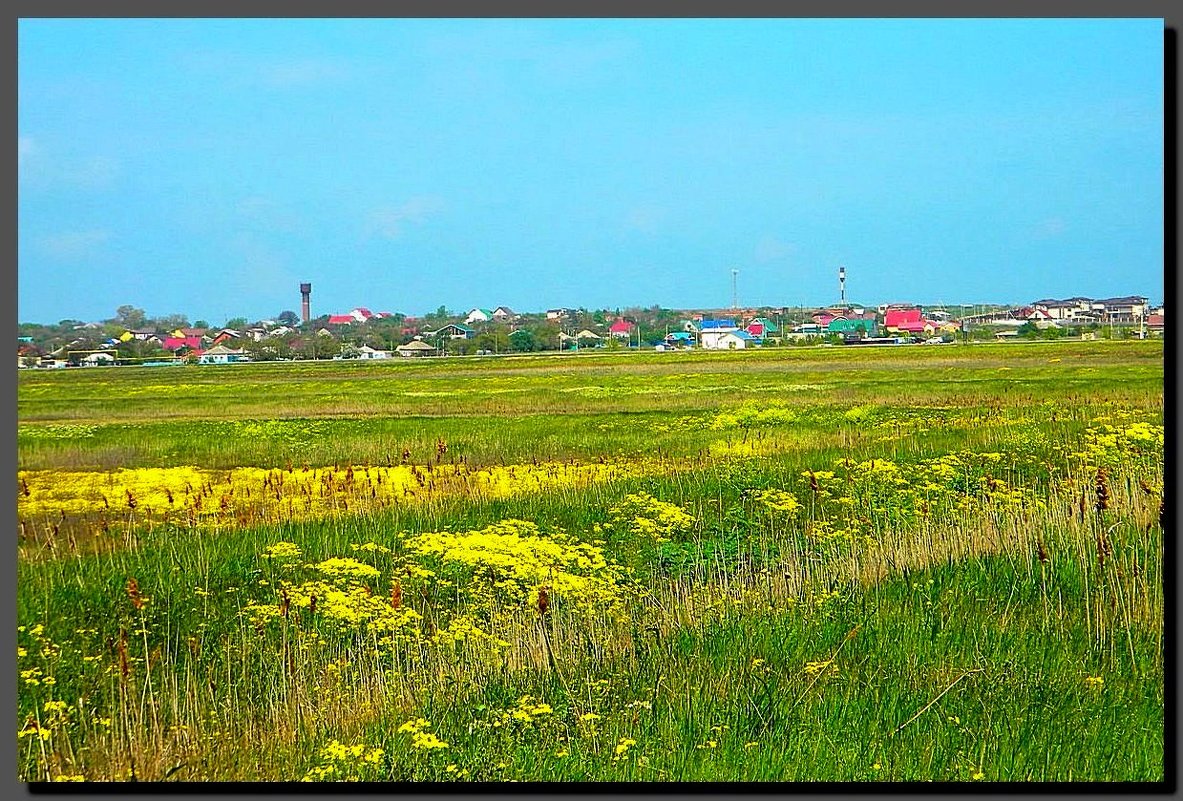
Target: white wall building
point(711, 333)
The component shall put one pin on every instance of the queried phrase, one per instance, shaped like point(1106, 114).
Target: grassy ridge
point(539, 385)
point(556, 409)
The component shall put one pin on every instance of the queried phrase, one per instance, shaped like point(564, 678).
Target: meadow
point(921, 563)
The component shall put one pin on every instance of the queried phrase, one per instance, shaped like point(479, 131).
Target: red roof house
point(916, 327)
point(898, 318)
point(341, 319)
point(177, 343)
point(620, 328)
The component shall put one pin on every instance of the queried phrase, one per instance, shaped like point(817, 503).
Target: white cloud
point(276, 73)
point(645, 219)
point(39, 168)
point(1050, 228)
point(390, 221)
point(26, 151)
point(771, 248)
point(71, 245)
point(301, 73)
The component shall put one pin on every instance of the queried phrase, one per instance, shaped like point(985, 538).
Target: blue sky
point(207, 167)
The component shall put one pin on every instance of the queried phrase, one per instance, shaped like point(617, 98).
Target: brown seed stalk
point(1102, 489)
point(133, 592)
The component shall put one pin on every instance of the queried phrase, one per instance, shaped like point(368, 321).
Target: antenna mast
point(734, 290)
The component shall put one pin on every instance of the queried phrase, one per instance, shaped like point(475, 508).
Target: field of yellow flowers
point(766, 567)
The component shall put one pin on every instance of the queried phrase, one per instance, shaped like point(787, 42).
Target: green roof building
point(840, 325)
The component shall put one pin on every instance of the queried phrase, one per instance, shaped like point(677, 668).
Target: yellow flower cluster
point(1112, 445)
point(250, 495)
point(650, 518)
point(752, 415)
point(345, 763)
point(525, 713)
point(463, 629)
point(778, 500)
point(514, 558)
point(420, 737)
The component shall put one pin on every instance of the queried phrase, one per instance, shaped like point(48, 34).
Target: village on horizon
point(131, 337)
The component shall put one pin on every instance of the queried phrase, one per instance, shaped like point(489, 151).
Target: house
point(735, 340)
point(181, 333)
point(479, 316)
point(621, 329)
point(342, 319)
point(142, 334)
point(175, 344)
point(585, 338)
point(366, 352)
point(504, 313)
point(767, 327)
point(1124, 310)
point(679, 339)
point(415, 347)
point(691, 326)
point(225, 335)
point(453, 331)
point(98, 358)
point(711, 331)
point(925, 327)
point(558, 314)
point(898, 320)
point(1068, 309)
point(859, 326)
point(361, 314)
point(220, 354)
point(1156, 322)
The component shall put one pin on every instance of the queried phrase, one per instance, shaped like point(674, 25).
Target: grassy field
point(898, 564)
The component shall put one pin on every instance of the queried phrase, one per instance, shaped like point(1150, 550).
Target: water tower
point(306, 301)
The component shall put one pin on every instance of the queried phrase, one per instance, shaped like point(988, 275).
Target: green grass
point(986, 620)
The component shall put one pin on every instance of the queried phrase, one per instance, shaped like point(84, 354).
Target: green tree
point(288, 317)
point(523, 341)
point(171, 322)
point(129, 316)
point(237, 323)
